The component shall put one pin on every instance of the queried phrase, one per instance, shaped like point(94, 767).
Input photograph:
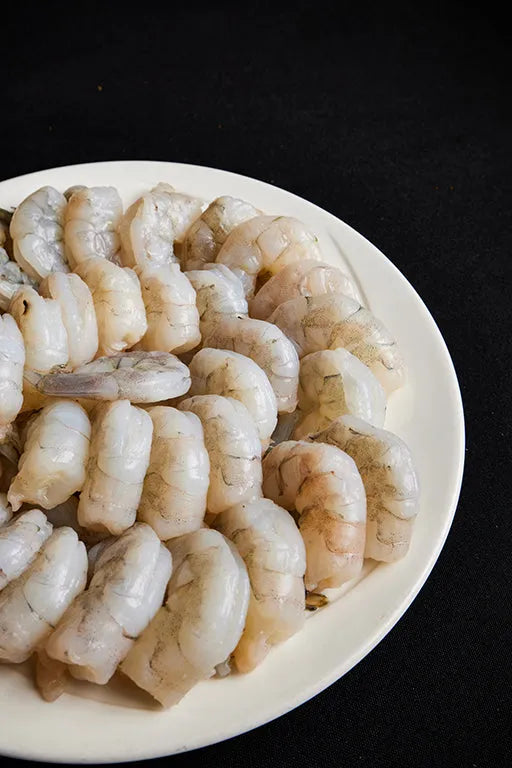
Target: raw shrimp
point(390, 480)
point(20, 541)
point(44, 333)
point(12, 278)
point(52, 465)
point(142, 377)
point(153, 223)
point(325, 489)
point(220, 372)
point(5, 510)
point(125, 592)
point(334, 382)
point(37, 232)
point(201, 622)
point(67, 514)
point(91, 220)
point(118, 460)
point(219, 294)
point(12, 360)
point(208, 233)
point(118, 304)
point(332, 321)
point(9, 455)
point(171, 312)
point(234, 449)
point(262, 246)
point(75, 301)
point(273, 551)
point(267, 346)
point(173, 498)
point(32, 605)
point(300, 278)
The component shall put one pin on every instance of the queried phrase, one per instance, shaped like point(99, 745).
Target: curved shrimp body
point(142, 377)
point(208, 233)
point(273, 551)
point(153, 223)
point(261, 247)
point(35, 602)
point(12, 279)
point(200, 623)
point(5, 509)
point(77, 310)
point(268, 347)
point(219, 294)
point(118, 304)
point(390, 480)
point(221, 372)
point(332, 321)
point(126, 590)
point(325, 489)
point(300, 278)
point(334, 382)
point(171, 312)
point(91, 220)
point(67, 514)
point(233, 447)
point(12, 360)
point(37, 232)
point(174, 494)
point(52, 465)
point(118, 460)
point(20, 541)
point(43, 330)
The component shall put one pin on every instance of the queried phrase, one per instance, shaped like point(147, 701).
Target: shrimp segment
point(390, 480)
point(20, 541)
point(332, 321)
point(268, 347)
point(12, 279)
point(174, 494)
point(12, 360)
point(273, 551)
point(219, 294)
point(201, 622)
point(325, 489)
point(43, 330)
point(91, 219)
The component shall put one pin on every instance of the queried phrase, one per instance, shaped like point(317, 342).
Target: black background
point(399, 123)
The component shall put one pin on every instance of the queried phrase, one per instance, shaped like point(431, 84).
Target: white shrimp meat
point(91, 220)
point(12, 360)
point(20, 541)
point(43, 330)
point(219, 294)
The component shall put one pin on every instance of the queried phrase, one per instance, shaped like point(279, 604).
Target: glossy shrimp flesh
point(219, 294)
point(42, 327)
point(12, 360)
point(91, 220)
point(20, 541)
point(12, 278)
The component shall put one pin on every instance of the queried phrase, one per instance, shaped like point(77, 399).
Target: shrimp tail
point(93, 386)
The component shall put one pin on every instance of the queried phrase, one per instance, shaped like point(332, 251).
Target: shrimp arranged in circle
point(200, 623)
point(332, 321)
point(12, 360)
point(20, 541)
point(273, 551)
point(219, 294)
point(91, 220)
point(324, 488)
point(390, 480)
point(261, 247)
point(43, 330)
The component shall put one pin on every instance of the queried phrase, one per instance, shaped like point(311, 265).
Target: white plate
point(91, 724)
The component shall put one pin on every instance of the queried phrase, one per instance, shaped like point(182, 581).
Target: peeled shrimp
point(171, 312)
point(12, 360)
point(91, 219)
point(44, 333)
point(118, 460)
point(334, 382)
point(34, 603)
point(67, 514)
point(332, 321)
point(12, 278)
point(273, 551)
point(142, 377)
point(118, 304)
point(267, 346)
point(75, 301)
point(219, 294)
point(5, 510)
point(234, 449)
point(208, 233)
point(37, 232)
point(220, 372)
point(20, 541)
point(201, 622)
point(52, 465)
point(325, 489)
point(173, 498)
point(300, 278)
point(125, 592)
point(390, 480)
point(264, 245)
point(153, 223)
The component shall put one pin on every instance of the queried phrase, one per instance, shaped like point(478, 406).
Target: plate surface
point(93, 724)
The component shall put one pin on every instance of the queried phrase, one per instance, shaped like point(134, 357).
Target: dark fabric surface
point(399, 124)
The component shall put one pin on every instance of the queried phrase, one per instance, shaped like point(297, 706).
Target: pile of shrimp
point(192, 442)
